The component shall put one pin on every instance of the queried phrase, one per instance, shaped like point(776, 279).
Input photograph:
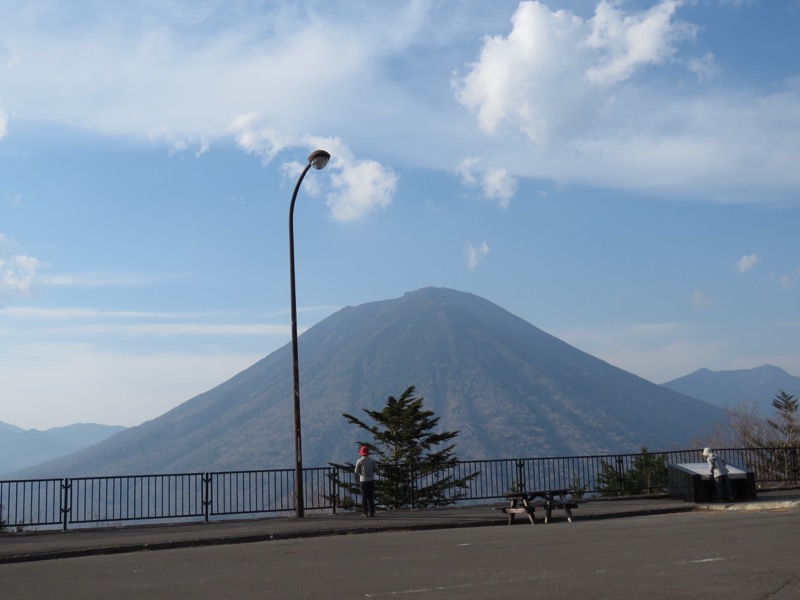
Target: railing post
point(412, 473)
point(206, 496)
point(521, 484)
point(65, 507)
point(620, 476)
point(333, 477)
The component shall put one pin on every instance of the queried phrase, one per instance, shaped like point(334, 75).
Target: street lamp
point(318, 159)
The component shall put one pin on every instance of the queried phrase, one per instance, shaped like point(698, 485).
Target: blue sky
point(621, 174)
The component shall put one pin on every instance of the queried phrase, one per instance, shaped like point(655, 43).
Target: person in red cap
point(365, 471)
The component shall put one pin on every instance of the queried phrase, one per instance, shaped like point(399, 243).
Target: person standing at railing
point(719, 471)
point(366, 467)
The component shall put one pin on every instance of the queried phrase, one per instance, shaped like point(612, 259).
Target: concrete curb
point(288, 535)
point(242, 539)
point(221, 540)
point(751, 506)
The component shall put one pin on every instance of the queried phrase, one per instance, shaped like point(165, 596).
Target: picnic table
point(525, 503)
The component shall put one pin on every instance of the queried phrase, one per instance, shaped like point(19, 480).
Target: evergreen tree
point(785, 427)
point(417, 465)
point(780, 457)
point(646, 474)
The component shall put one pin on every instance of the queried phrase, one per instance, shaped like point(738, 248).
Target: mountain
point(20, 448)
point(735, 388)
point(511, 389)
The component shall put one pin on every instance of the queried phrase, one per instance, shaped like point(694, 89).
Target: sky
point(621, 174)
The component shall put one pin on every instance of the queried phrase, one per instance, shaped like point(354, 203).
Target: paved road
point(727, 555)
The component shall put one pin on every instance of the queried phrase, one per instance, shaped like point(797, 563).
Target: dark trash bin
point(692, 482)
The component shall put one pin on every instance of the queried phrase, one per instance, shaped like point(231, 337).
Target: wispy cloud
point(747, 263)
point(496, 183)
point(103, 279)
point(91, 321)
point(474, 254)
point(787, 280)
point(21, 274)
point(358, 186)
point(704, 66)
point(547, 93)
point(176, 329)
point(18, 272)
point(702, 300)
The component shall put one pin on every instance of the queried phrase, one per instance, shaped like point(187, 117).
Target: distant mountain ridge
point(733, 389)
point(20, 448)
point(511, 389)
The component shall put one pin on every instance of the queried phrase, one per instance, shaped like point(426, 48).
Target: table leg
point(530, 508)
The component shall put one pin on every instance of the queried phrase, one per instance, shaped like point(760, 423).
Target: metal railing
point(191, 496)
point(133, 497)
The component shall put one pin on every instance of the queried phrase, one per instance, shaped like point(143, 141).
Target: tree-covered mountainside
point(732, 389)
point(511, 389)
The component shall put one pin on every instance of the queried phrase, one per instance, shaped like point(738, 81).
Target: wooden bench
point(525, 503)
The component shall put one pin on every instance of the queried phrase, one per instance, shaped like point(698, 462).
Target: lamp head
point(318, 159)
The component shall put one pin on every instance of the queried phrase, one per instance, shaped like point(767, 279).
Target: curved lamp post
point(318, 159)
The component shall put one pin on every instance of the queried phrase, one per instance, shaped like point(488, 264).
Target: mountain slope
point(735, 388)
point(510, 388)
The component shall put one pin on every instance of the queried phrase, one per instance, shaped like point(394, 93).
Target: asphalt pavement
point(26, 546)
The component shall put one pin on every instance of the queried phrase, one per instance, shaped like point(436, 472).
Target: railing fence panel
point(104, 500)
point(31, 502)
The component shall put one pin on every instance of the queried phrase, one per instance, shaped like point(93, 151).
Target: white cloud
point(38, 313)
point(177, 329)
point(624, 43)
point(499, 185)
point(360, 186)
point(560, 96)
point(702, 300)
point(102, 279)
point(258, 138)
point(3, 125)
point(544, 76)
point(529, 77)
point(466, 170)
point(576, 89)
point(475, 253)
point(704, 67)
point(82, 323)
point(496, 183)
point(182, 70)
point(787, 280)
point(747, 263)
point(18, 272)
